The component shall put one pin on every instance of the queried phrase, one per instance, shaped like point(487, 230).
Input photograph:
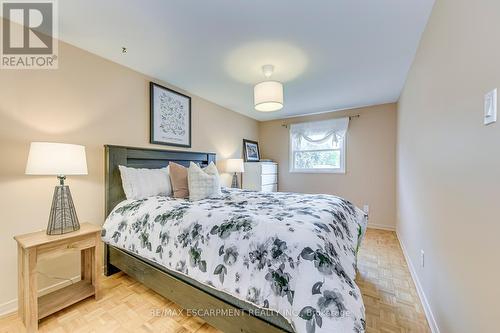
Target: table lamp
point(235, 165)
point(61, 160)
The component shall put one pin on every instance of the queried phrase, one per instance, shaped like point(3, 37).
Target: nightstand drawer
point(57, 248)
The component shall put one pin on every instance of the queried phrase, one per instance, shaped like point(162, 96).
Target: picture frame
point(251, 152)
point(170, 117)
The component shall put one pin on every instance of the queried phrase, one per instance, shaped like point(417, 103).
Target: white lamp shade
point(47, 158)
point(235, 165)
point(268, 96)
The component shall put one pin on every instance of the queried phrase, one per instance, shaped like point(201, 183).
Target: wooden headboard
point(142, 158)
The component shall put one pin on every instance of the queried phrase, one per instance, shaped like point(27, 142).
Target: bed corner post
point(113, 157)
point(108, 268)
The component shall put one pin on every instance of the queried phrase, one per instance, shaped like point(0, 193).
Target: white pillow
point(203, 183)
point(144, 183)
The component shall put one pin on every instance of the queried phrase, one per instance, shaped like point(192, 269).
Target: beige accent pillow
point(179, 180)
point(203, 183)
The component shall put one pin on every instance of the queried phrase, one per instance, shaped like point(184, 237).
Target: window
point(318, 146)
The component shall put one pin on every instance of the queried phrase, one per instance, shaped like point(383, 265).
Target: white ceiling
point(330, 54)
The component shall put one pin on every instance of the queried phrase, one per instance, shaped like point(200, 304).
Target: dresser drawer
point(270, 188)
point(269, 168)
point(269, 179)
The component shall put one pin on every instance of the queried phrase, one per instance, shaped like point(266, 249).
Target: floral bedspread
point(287, 252)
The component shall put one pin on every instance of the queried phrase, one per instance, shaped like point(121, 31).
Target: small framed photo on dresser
point(170, 113)
point(251, 151)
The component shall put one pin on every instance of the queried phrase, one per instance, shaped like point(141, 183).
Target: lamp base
point(235, 184)
point(62, 217)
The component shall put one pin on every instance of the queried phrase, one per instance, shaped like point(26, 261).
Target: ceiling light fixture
point(268, 95)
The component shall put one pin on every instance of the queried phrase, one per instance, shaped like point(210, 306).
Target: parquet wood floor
point(391, 300)
point(392, 303)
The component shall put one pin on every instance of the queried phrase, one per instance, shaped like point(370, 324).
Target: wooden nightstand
point(38, 245)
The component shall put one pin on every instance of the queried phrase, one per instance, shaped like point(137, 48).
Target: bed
point(244, 262)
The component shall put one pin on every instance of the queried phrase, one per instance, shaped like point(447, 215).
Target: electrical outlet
point(366, 209)
point(422, 258)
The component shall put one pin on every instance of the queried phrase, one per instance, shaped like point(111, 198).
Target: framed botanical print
point(251, 151)
point(170, 113)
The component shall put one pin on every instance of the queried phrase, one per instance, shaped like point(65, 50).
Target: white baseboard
point(381, 227)
point(423, 299)
point(10, 307)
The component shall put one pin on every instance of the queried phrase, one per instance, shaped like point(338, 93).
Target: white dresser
point(261, 176)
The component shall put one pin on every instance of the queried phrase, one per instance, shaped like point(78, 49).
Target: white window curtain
point(317, 141)
point(319, 132)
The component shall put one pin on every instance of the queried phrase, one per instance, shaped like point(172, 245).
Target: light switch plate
point(490, 107)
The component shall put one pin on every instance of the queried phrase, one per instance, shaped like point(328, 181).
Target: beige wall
point(89, 101)
point(449, 166)
point(370, 161)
